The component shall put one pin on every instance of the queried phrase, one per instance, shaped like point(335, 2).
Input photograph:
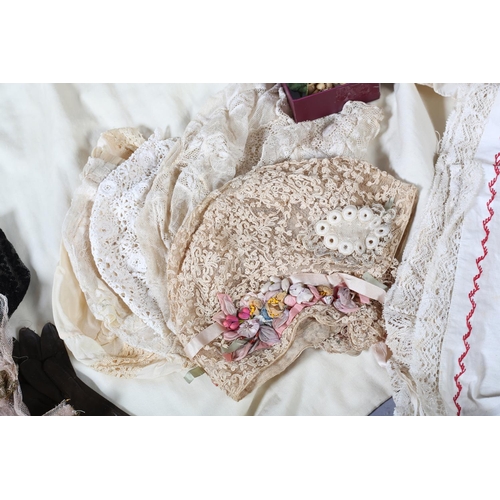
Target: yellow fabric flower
point(324, 291)
point(276, 305)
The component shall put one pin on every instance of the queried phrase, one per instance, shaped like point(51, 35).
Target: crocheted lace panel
point(417, 306)
point(255, 227)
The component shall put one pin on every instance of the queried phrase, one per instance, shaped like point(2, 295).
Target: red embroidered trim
point(475, 280)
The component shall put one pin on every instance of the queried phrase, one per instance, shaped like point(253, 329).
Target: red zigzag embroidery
point(475, 281)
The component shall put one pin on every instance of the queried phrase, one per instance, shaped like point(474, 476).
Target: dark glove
point(47, 377)
point(14, 275)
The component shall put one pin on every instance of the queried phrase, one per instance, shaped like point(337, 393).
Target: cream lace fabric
point(417, 306)
point(243, 127)
point(263, 224)
point(115, 246)
point(128, 344)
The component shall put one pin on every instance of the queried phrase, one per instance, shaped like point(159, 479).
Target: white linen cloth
point(418, 308)
point(470, 357)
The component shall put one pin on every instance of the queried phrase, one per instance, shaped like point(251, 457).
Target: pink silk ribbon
point(202, 339)
point(354, 284)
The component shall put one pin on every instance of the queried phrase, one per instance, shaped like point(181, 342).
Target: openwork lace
point(248, 231)
point(115, 246)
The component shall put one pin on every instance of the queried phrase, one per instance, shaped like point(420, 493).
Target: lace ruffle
point(11, 401)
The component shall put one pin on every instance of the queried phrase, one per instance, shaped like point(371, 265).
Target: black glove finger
point(32, 372)
point(29, 344)
point(52, 346)
point(81, 396)
point(38, 404)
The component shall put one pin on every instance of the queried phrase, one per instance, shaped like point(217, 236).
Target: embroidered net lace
point(115, 247)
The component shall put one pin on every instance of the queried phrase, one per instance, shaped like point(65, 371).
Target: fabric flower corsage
point(261, 318)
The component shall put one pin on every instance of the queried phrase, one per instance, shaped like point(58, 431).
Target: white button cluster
point(354, 230)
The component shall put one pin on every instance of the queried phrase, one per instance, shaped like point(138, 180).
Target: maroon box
point(331, 100)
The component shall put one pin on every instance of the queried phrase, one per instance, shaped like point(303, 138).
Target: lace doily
point(417, 306)
point(248, 231)
point(243, 127)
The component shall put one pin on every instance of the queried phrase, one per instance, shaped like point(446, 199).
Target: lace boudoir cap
point(286, 257)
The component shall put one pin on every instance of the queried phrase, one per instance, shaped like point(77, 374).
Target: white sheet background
point(46, 133)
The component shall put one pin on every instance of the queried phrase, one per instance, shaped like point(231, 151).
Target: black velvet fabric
point(14, 275)
point(47, 376)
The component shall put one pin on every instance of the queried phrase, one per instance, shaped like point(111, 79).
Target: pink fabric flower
point(226, 304)
point(231, 335)
point(281, 320)
point(249, 328)
point(344, 302)
point(239, 353)
point(268, 335)
point(244, 313)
